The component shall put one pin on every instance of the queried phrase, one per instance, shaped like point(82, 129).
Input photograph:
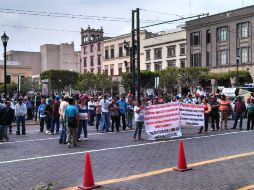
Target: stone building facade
point(91, 50)
point(219, 41)
point(165, 49)
point(116, 60)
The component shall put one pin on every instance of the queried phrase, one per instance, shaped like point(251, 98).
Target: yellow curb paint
point(165, 170)
point(247, 187)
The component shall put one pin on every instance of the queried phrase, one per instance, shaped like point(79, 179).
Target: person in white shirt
point(91, 111)
point(139, 120)
point(105, 123)
point(20, 113)
point(63, 105)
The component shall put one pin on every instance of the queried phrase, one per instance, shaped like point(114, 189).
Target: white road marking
point(53, 138)
point(117, 148)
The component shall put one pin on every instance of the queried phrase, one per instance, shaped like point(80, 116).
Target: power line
point(48, 29)
point(163, 13)
point(170, 21)
point(70, 16)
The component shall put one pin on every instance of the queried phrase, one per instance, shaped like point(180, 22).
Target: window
point(243, 30)
point(195, 38)
point(245, 54)
point(171, 63)
point(148, 55)
point(99, 59)
point(112, 72)
point(8, 79)
point(106, 54)
point(112, 52)
point(222, 33)
point(208, 36)
point(157, 66)
point(106, 69)
point(182, 63)
point(91, 61)
point(84, 49)
point(85, 70)
point(120, 71)
point(121, 51)
point(98, 46)
point(99, 70)
point(223, 57)
point(182, 49)
point(148, 66)
point(91, 70)
point(208, 59)
point(196, 60)
point(91, 48)
point(157, 53)
point(171, 51)
point(84, 59)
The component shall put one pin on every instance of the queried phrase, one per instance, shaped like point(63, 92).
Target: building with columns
point(219, 40)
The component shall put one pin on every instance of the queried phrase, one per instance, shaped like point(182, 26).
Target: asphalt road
point(37, 159)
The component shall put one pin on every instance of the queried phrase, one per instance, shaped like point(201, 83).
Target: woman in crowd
point(115, 117)
point(207, 110)
point(83, 118)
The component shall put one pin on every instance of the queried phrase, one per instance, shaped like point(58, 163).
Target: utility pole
point(135, 41)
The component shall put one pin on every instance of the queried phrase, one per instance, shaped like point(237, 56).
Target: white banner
point(162, 121)
point(191, 115)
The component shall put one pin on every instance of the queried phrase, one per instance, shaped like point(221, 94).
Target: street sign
point(156, 82)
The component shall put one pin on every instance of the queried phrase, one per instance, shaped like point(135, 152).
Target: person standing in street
point(98, 113)
point(71, 116)
point(83, 118)
point(139, 120)
point(122, 110)
point(6, 118)
point(114, 113)
point(20, 113)
point(42, 113)
point(239, 110)
point(250, 112)
point(48, 112)
point(215, 116)
point(224, 107)
point(91, 108)
point(207, 110)
point(55, 116)
point(64, 103)
point(130, 112)
point(105, 123)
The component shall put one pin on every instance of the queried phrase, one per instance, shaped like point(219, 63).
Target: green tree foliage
point(169, 77)
point(146, 79)
point(11, 88)
point(60, 78)
point(91, 82)
point(29, 84)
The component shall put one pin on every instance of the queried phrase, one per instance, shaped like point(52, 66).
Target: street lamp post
point(237, 74)
point(5, 39)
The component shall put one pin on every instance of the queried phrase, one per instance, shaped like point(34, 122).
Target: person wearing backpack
point(250, 112)
point(71, 116)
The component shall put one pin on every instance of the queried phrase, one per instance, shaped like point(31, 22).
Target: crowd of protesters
point(68, 116)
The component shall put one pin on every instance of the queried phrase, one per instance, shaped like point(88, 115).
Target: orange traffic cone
point(182, 166)
point(88, 181)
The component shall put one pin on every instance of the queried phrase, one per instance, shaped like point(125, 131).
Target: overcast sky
point(30, 40)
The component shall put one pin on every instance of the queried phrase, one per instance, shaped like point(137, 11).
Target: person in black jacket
point(6, 118)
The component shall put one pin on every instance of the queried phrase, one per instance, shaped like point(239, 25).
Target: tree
point(192, 76)
point(11, 88)
point(169, 77)
point(29, 84)
point(60, 78)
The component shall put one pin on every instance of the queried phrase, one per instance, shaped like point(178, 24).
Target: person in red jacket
point(239, 110)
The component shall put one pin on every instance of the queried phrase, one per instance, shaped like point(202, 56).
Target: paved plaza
point(220, 160)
